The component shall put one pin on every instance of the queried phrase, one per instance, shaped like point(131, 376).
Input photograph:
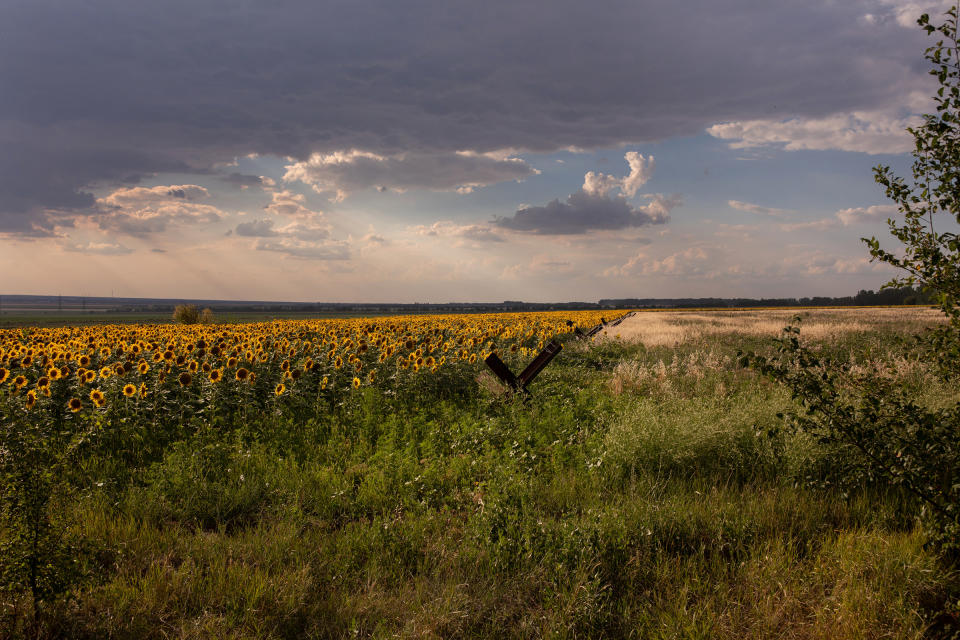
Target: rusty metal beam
point(534, 368)
point(500, 369)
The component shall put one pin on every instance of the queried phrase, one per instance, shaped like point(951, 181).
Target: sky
point(447, 151)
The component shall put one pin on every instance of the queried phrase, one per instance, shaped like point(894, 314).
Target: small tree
point(877, 433)
point(931, 258)
point(206, 316)
point(186, 314)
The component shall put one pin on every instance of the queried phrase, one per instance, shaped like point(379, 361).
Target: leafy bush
point(874, 432)
point(186, 314)
point(879, 433)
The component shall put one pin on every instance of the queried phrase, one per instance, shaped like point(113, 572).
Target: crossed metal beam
point(519, 383)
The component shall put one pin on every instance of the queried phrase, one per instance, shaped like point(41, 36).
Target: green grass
point(638, 494)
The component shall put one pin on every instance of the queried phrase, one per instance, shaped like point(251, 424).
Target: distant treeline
point(94, 305)
point(864, 297)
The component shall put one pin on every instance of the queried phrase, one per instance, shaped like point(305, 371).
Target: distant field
point(28, 318)
point(656, 328)
point(643, 491)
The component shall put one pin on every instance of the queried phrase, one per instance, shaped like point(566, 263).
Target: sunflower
point(371, 375)
point(356, 383)
point(242, 373)
point(206, 368)
point(143, 390)
point(106, 372)
point(97, 397)
point(473, 358)
point(216, 375)
point(75, 405)
point(285, 366)
point(143, 367)
point(84, 361)
point(89, 376)
point(4, 374)
point(231, 363)
point(279, 389)
point(129, 390)
point(193, 365)
point(323, 383)
point(20, 382)
point(31, 399)
point(53, 373)
point(185, 379)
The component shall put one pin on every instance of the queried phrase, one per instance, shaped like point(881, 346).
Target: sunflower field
point(158, 373)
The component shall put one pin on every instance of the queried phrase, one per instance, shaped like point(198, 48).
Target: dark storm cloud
point(104, 92)
point(256, 229)
point(242, 180)
point(584, 212)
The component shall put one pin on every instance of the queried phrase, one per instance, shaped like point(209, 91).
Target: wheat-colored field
point(667, 328)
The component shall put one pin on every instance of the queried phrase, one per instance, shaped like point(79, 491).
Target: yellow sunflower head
point(356, 383)
point(75, 405)
point(97, 397)
point(279, 389)
point(242, 374)
point(185, 379)
point(129, 390)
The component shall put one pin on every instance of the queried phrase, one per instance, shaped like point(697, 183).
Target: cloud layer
point(583, 212)
point(100, 94)
point(342, 173)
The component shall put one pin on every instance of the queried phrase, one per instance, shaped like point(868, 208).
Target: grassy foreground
point(637, 495)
